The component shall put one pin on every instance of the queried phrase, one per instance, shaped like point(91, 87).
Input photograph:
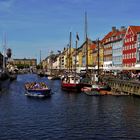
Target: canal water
point(65, 116)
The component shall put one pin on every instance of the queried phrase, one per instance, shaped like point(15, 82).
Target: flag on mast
point(77, 36)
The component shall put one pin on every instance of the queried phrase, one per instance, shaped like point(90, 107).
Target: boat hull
point(93, 93)
point(38, 93)
point(96, 90)
point(71, 87)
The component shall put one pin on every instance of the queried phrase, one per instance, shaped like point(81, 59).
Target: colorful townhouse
point(107, 45)
point(113, 46)
point(79, 57)
point(63, 59)
point(67, 58)
point(101, 54)
point(138, 50)
point(93, 54)
point(131, 47)
point(117, 47)
point(86, 53)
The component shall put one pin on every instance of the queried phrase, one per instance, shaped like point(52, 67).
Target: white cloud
point(6, 5)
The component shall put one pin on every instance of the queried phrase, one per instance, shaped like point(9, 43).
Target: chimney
point(122, 28)
point(114, 29)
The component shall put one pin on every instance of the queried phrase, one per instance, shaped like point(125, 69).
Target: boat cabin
point(72, 79)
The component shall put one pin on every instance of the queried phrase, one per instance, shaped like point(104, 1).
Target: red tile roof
point(135, 29)
point(107, 36)
point(93, 46)
point(110, 34)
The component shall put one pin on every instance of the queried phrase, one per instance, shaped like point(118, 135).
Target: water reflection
point(66, 115)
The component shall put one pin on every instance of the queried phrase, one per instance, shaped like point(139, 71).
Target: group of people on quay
point(123, 75)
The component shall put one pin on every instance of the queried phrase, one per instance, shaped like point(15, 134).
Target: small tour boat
point(71, 83)
point(40, 90)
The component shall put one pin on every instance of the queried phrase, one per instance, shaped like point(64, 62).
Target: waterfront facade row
point(119, 49)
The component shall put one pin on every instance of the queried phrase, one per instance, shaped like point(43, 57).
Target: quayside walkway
point(130, 87)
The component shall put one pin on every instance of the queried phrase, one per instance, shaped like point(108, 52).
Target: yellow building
point(92, 54)
point(101, 55)
point(79, 57)
point(95, 55)
point(44, 64)
point(87, 53)
point(25, 62)
point(68, 55)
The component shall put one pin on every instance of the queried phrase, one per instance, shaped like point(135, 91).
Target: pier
point(123, 86)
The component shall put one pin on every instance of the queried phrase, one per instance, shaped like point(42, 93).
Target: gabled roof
point(107, 36)
point(135, 29)
point(120, 33)
point(113, 34)
point(89, 40)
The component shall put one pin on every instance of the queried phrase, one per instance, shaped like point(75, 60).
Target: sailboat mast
point(40, 60)
point(76, 54)
point(98, 47)
point(70, 44)
point(75, 58)
point(86, 39)
point(67, 52)
point(40, 57)
point(51, 61)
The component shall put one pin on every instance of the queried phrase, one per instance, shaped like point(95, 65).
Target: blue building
point(117, 46)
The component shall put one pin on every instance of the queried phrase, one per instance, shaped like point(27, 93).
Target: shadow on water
point(4, 87)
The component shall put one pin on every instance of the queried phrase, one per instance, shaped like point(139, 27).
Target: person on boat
point(43, 85)
point(96, 78)
point(37, 85)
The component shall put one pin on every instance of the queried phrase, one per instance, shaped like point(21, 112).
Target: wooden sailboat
point(97, 87)
point(71, 81)
point(86, 81)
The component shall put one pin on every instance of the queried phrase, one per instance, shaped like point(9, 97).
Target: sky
point(34, 25)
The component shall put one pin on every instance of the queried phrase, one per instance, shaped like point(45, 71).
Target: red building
point(130, 46)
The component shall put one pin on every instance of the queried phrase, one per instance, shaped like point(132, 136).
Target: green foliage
point(22, 66)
